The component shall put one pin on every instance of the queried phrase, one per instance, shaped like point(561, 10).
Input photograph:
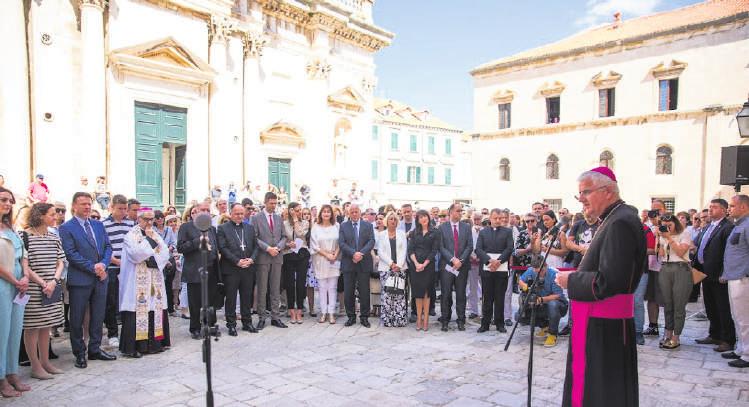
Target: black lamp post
point(742, 118)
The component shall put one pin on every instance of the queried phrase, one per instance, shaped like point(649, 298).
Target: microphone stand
point(532, 293)
point(205, 312)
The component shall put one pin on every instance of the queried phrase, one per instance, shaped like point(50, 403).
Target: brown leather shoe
point(723, 347)
point(707, 341)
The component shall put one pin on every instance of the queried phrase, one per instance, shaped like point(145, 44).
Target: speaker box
point(734, 165)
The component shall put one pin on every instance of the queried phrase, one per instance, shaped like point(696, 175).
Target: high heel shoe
point(323, 317)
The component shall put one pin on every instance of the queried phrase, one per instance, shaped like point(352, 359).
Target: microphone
point(555, 229)
point(203, 222)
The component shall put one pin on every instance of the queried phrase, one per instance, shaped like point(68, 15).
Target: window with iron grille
point(552, 167)
point(668, 202)
point(554, 204)
point(663, 160)
point(504, 169)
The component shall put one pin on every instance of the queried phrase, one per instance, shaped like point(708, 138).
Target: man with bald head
point(356, 239)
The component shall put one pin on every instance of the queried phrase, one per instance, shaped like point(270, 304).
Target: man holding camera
point(551, 304)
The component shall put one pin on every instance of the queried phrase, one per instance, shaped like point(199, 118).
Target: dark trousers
point(168, 281)
point(295, 267)
point(113, 302)
point(551, 313)
point(242, 282)
point(448, 282)
point(194, 303)
point(128, 344)
point(718, 310)
point(95, 298)
point(493, 288)
point(350, 280)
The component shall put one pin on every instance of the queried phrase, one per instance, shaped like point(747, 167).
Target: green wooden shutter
point(279, 173)
point(413, 144)
point(393, 172)
point(430, 175)
point(180, 177)
point(431, 145)
point(394, 141)
point(448, 176)
point(375, 168)
point(375, 133)
point(147, 155)
point(448, 146)
point(418, 175)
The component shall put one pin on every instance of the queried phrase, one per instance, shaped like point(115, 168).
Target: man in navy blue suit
point(89, 252)
point(455, 249)
point(356, 239)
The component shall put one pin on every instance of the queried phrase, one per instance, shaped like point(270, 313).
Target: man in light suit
point(89, 252)
point(455, 250)
point(270, 240)
point(356, 239)
point(407, 224)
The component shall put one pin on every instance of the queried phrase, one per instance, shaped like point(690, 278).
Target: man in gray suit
point(356, 239)
point(270, 240)
point(455, 249)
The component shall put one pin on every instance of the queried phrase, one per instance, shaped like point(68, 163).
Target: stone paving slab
point(328, 365)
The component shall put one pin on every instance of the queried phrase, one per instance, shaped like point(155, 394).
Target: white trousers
point(327, 288)
point(474, 290)
point(738, 295)
point(508, 299)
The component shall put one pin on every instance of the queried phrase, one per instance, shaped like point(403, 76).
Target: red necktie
point(455, 240)
point(270, 222)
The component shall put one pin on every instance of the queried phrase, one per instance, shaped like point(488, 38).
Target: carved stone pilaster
point(318, 69)
point(101, 4)
point(220, 28)
point(254, 43)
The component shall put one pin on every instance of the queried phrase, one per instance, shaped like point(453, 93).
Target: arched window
point(552, 167)
point(663, 160)
point(504, 169)
point(606, 159)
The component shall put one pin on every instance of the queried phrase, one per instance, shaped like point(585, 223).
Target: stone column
point(252, 97)
point(93, 94)
point(220, 29)
point(15, 132)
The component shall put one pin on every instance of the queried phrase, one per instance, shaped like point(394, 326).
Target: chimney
point(617, 19)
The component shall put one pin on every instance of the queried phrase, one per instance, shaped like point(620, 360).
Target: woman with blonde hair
point(392, 248)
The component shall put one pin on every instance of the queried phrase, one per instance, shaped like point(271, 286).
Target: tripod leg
point(530, 354)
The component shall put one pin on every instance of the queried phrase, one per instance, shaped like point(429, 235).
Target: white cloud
point(602, 11)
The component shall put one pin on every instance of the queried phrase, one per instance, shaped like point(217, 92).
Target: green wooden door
point(155, 126)
point(279, 173)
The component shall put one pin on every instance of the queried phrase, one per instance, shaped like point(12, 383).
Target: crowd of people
point(128, 273)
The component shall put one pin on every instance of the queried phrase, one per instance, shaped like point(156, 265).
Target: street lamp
point(742, 118)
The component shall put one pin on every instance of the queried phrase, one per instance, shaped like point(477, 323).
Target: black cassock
point(602, 358)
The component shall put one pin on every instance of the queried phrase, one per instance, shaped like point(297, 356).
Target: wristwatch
point(58, 281)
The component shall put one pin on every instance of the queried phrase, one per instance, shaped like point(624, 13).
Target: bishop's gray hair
point(599, 180)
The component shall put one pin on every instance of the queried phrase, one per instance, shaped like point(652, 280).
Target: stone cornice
point(608, 122)
point(396, 123)
point(502, 96)
point(608, 80)
point(100, 4)
point(552, 89)
point(282, 133)
point(687, 31)
point(662, 71)
point(202, 8)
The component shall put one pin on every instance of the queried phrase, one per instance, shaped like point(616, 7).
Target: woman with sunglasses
point(675, 277)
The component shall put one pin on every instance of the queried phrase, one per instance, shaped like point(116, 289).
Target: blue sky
point(438, 41)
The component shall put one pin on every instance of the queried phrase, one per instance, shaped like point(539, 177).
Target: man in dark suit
point(711, 245)
point(236, 242)
point(270, 240)
point(356, 239)
point(455, 250)
point(493, 248)
point(188, 243)
point(89, 252)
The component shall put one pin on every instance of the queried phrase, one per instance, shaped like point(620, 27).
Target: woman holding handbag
point(422, 250)
point(295, 261)
point(392, 248)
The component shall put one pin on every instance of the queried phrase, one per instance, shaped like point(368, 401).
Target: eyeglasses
point(585, 192)
point(667, 218)
point(530, 221)
point(95, 217)
point(148, 219)
point(61, 211)
point(443, 216)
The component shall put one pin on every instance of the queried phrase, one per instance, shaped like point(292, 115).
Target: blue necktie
point(89, 233)
point(356, 234)
point(703, 243)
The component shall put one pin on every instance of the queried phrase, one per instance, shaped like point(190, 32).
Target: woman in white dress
point(541, 242)
point(325, 252)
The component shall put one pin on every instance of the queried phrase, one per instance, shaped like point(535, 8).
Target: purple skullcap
point(605, 171)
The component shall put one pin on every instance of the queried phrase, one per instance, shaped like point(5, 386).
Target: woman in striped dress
point(46, 264)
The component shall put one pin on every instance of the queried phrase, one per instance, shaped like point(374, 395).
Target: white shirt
point(670, 255)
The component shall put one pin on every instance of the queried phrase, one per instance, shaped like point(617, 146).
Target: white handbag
point(395, 284)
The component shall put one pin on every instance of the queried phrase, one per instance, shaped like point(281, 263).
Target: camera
point(485, 223)
point(653, 213)
point(663, 229)
point(524, 315)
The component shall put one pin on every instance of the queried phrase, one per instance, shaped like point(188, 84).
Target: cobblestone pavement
point(330, 365)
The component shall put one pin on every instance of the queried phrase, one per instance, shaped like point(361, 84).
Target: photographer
point(653, 294)
point(675, 277)
point(550, 301)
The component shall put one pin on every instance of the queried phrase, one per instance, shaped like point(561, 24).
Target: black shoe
point(365, 322)
point(482, 329)
point(232, 330)
point(80, 361)
point(707, 341)
point(195, 335)
point(651, 331)
point(183, 316)
point(350, 321)
point(508, 322)
point(260, 325)
point(432, 313)
point(738, 363)
point(53, 355)
point(730, 355)
point(501, 328)
point(102, 355)
point(249, 328)
point(461, 326)
point(313, 314)
point(565, 331)
point(134, 355)
point(473, 316)
point(277, 323)
point(66, 328)
point(444, 327)
point(412, 318)
point(56, 332)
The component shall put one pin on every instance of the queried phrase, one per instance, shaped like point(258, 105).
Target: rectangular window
point(413, 144)
point(430, 145)
point(393, 172)
point(606, 102)
point(670, 203)
point(554, 204)
point(448, 146)
point(394, 141)
point(413, 176)
point(553, 109)
point(375, 169)
point(504, 116)
point(375, 133)
point(430, 175)
point(448, 176)
point(668, 94)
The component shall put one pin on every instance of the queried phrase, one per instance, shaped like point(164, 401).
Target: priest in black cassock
point(602, 359)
